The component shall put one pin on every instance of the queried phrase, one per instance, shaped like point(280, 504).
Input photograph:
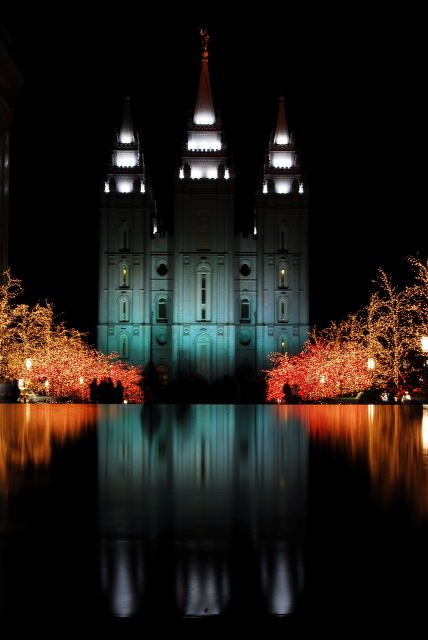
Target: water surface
point(214, 516)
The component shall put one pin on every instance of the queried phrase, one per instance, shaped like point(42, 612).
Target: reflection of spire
point(122, 576)
point(202, 585)
point(276, 580)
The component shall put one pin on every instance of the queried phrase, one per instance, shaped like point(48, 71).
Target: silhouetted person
point(118, 392)
point(93, 390)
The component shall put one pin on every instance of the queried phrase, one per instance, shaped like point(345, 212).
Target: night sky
point(353, 96)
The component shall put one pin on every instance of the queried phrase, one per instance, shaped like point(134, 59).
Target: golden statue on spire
point(205, 38)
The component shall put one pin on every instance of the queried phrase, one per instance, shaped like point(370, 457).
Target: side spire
point(126, 172)
point(282, 169)
point(126, 133)
point(204, 108)
point(281, 131)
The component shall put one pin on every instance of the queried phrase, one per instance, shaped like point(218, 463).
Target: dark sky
point(353, 89)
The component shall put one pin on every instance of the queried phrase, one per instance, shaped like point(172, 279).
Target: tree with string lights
point(50, 357)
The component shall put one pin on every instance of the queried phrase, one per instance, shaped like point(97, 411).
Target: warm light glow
point(371, 363)
point(142, 187)
point(81, 380)
point(281, 138)
point(106, 187)
point(424, 343)
point(21, 383)
point(424, 433)
point(125, 184)
point(322, 379)
point(204, 141)
point(126, 137)
point(126, 159)
point(47, 384)
point(282, 185)
point(255, 229)
point(226, 174)
point(265, 189)
point(282, 272)
point(155, 228)
point(28, 363)
point(204, 117)
point(281, 159)
point(181, 173)
point(301, 188)
point(125, 401)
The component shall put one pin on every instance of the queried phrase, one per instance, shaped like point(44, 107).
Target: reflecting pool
point(214, 516)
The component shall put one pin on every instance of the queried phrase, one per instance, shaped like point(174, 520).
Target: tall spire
point(204, 109)
point(281, 131)
point(126, 133)
point(204, 150)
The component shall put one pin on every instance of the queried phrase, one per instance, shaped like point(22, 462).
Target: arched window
point(123, 346)
point(245, 311)
point(123, 237)
point(124, 275)
point(161, 309)
point(124, 309)
point(282, 344)
point(203, 294)
point(282, 275)
point(282, 309)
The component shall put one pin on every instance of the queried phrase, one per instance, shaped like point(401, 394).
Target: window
point(282, 275)
point(245, 310)
point(124, 309)
point(123, 346)
point(282, 237)
point(204, 232)
point(203, 284)
point(162, 269)
point(124, 275)
point(161, 311)
point(124, 238)
point(245, 269)
point(282, 309)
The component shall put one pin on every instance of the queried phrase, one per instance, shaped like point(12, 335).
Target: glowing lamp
point(28, 363)
point(371, 364)
point(424, 344)
point(46, 384)
point(322, 379)
point(81, 380)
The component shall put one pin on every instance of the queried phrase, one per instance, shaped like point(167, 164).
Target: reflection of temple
point(226, 483)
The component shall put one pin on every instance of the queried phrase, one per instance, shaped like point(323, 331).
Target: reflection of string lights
point(424, 432)
point(386, 437)
point(29, 441)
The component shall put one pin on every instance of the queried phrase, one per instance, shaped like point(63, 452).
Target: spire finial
point(205, 39)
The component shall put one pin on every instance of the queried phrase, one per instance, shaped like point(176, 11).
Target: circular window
point(161, 338)
point(245, 269)
point(244, 338)
point(162, 269)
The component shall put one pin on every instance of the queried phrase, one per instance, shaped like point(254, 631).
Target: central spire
point(204, 109)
